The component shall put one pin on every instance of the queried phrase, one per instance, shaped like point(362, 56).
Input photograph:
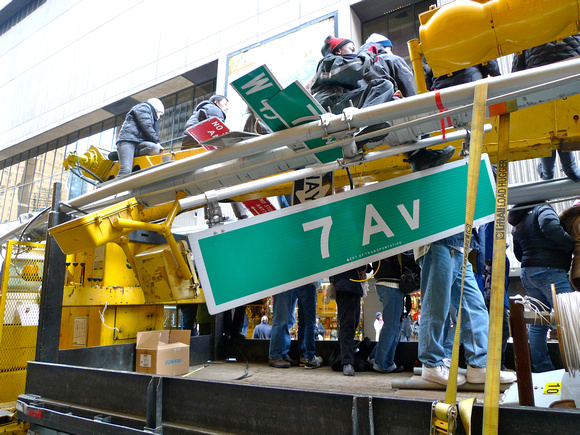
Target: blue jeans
point(537, 281)
point(306, 295)
point(384, 351)
point(284, 318)
point(128, 150)
point(568, 160)
point(441, 286)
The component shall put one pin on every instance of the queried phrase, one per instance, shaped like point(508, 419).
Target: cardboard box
point(163, 352)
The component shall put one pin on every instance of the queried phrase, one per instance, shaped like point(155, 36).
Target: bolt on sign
point(282, 108)
point(254, 258)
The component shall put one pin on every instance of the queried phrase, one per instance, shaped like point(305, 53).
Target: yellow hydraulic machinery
point(121, 272)
point(469, 32)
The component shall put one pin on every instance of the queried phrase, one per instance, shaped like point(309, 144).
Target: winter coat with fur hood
point(539, 238)
point(570, 219)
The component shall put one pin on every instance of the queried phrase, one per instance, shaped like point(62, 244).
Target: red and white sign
point(259, 206)
point(207, 130)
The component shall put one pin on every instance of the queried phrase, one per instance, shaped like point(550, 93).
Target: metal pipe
point(542, 78)
point(252, 186)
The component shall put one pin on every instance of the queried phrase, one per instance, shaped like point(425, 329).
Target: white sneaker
point(477, 376)
point(440, 375)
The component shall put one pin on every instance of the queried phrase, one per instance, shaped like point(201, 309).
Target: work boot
point(376, 140)
point(426, 158)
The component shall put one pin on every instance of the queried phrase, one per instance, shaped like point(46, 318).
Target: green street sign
point(282, 108)
point(256, 88)
point(254, 258)
point(296, 106)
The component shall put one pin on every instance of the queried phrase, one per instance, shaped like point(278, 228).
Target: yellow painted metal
point(105, 266)
point(183, 269)
point(158, 273)
point(75, 296)
point(93, 160)
point(465, 33)
point(84, 327)
point(19, 309)
point(95, 229)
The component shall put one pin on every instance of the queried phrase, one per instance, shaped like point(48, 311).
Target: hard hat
point(157, 105)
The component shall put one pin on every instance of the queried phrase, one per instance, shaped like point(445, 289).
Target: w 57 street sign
point(254, 258)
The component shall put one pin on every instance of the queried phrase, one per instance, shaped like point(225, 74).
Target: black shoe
point(279, 363)
point(426, 158)
point(114, 156)
point(290, 361)
point(348, 370)
point(372, 140)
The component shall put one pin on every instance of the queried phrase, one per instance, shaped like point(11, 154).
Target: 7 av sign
point(270, 253)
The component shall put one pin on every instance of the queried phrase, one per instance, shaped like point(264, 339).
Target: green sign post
point(254, 258)
point(282, 108)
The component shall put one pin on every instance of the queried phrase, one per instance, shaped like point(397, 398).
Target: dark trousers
point(348, 307)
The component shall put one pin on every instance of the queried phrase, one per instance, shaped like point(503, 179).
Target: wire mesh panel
point(19, 308)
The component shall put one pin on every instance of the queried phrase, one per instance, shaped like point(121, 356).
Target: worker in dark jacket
point(388, 276)
point(543, 55)
point(467, 75)
point(344, 77)
point(216, 106)
point(399, 72)
point(349, 291)
point(544, 249)
point(402, 78)
point(139, 135)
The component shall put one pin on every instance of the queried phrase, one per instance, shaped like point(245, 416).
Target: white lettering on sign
point(370, 229)
point(325, 223)
point(413, 222)
point(314, 117)
point(382, 227)
point(217, 125)
point(272, 115)
point(257, 84)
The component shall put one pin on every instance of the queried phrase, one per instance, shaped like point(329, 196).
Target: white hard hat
point(157, 105)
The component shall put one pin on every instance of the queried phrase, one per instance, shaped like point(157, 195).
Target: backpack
point(361, 353)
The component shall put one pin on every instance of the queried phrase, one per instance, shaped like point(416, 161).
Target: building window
point(399, 25)
point(16, 14)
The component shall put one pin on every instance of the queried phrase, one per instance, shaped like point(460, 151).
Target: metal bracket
point(213, 211)
point(348, 115)
point(324, 121)
point(465, 145)
point(443, 418)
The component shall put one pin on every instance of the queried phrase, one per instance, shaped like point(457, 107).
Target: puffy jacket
point(203, 111)
point(547, 53)
point(390, 270)
point(469, 74)
point(357, 78)
point(399, 72)
point(141, 124)
point(539, 238)
point(570, 219)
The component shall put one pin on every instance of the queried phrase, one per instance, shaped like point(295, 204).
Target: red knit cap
point(331, 44)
